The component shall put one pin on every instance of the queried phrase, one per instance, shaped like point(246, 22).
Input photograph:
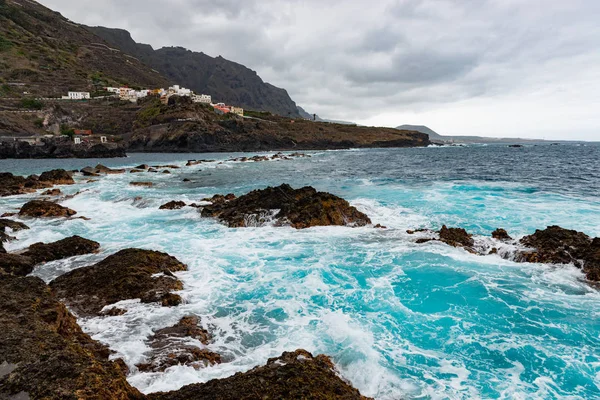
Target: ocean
point(399, 319)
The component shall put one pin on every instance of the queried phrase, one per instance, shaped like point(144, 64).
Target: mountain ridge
point(226, 81)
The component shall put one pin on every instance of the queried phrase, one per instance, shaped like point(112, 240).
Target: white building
point(180, 91)
point(112, 89)
point(202, 98)
point(78, 95)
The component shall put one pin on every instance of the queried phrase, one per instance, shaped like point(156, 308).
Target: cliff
point(44, 54)
point(225, 80)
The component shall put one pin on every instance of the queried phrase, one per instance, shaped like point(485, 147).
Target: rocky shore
point(59, 148)
point(45, 354)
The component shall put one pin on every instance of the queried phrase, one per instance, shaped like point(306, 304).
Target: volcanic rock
point(293, 375)
point(45, 354)
point(52, 192)
point(89, 171)
point(143, 166)
point(456, 237)
point(12, 225)
point(170, 346)
point(556, 245)
point(57, 177)
point(300, 208)
point(501, 234)
point(144, 184)
point(15, 264)
point(173, 205)
point(109, 171)
point(45, 209)
point(68, 247)
point(11, 185)
point(128, 274)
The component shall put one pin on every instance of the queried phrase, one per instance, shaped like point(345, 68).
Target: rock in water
point(556, 245)
point(456, 237)
point(127, 274)
point(45, 209)
point(501, 234)
point(169, 347)
point(52, 192)
point(57, 177)
point(15, 264)
point(44, 353)
point(12, 225)
point(109, 171)
point(293, 375)
point(143, 184)
point(11, 185)
point(300, 208)
point(68, 247)
point(173, 205)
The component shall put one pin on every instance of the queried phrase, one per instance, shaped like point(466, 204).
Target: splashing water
point(398, 319)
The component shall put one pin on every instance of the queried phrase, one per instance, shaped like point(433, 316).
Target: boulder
point(173, 205)
point(456, 237)
point(68, 247)
point(57, 177)
point(135, 171)
point(15, 264)
point(166, 171)
point(143, 184)
point(128, 274)
point(109, 171)
point(169, 347)
point(44, 354)
point(299, 208)
point(45, 209)
point(11, 185)
point(52, 192)
point(293, 375)
point(89, 171)
point(143, 166)
point(556, 245)
point(501, 234)
point(15, 226)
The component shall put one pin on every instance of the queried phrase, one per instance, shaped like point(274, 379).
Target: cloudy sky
point(520, 68)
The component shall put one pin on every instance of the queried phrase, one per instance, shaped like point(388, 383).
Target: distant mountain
point(423, 129)
point(436, 137)
point(226, 81)
point(304, 114)
point(43, 53)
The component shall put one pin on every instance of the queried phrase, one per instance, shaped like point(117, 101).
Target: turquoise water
point(399, 319)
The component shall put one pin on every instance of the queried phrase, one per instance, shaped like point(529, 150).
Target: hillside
point(423, 129)
point(45, 54)
point(225, 80)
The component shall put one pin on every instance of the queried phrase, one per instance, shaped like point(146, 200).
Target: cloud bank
point(527, 68)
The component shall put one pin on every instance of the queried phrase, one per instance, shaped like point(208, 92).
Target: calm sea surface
point(399, 319)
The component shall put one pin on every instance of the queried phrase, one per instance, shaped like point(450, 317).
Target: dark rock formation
point(15, 264)
point(173, 205)
point(52, 192)
point(168, 348)
point(556, 245)
point(12, 225)
point(68, 247)
point(109, 171)
point(11, 185)
point(456, 237)
point(143, 166)
point(44, 353)
point(24, 263)
point(57, 177)
point(143, 184)
point(293, 375)
point(45, 209)
point(300, 208)
point(127, 274)
point(59, 148)
point(501, 234)
point(89, 171)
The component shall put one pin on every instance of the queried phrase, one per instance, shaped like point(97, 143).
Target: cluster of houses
point(128, 94)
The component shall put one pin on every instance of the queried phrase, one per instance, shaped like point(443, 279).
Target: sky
point(502, 68)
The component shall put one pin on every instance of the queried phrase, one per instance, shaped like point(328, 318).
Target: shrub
point(32, 104)
point(39, 123)
point(65, 130)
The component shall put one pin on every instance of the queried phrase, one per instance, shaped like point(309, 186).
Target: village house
point(202, 98)
point(237, 110)
point(179, 91)
point(77, 96)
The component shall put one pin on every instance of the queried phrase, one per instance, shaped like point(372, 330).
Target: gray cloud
point(358, 59)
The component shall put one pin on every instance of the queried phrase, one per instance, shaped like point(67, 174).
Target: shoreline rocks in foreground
point(293, 375)
point(45, 209)
point(45, 354)
point(128, 274)
point(299, 208)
